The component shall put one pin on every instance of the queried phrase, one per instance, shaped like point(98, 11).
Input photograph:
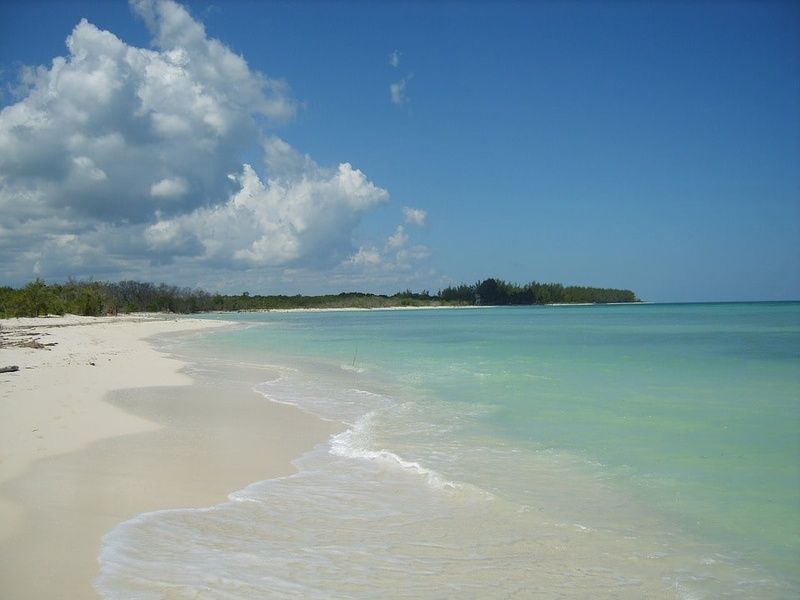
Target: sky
point(301, 147)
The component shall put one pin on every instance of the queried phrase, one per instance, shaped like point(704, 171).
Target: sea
point(608, 451)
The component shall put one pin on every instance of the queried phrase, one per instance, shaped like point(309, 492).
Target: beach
point(582, 452)
point(98, 426)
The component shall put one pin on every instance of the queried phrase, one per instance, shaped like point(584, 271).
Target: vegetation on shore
point(496, 292)
point(101, 298)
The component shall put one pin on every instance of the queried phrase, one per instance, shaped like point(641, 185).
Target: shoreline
point(412, 308)
point(102, 426)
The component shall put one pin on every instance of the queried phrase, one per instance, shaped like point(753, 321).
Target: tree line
point(103, 298)
point(100, 298)
point(496, 292)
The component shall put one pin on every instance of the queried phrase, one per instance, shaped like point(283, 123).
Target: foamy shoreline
point(98, 426)
point(343, 309)
point(407, 308)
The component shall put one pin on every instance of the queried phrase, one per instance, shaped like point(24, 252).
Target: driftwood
point(10, 369)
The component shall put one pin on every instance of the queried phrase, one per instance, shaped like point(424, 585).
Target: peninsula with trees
point(101, 298)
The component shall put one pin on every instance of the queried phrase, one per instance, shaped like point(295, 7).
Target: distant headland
point(101, 298)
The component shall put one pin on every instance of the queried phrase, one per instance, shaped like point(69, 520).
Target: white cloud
point(415, 216)
point(109, 119)
point(394, 58)
point(397, 91)
point(212, 64)
point(397, 258)
point(366, 257)
point(116, 159)
point(398, 239)
point(85, 167)
point(301, 213)
point(171, 187)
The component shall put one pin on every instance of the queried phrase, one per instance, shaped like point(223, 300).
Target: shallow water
point(619, 451)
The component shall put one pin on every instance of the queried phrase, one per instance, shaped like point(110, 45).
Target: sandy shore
point(98, 426)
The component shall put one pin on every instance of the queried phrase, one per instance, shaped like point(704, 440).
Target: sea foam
point(355, 443)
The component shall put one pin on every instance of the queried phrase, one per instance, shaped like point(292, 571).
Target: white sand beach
point(97, 426)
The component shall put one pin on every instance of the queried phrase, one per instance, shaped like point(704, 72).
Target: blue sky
point(651, 146)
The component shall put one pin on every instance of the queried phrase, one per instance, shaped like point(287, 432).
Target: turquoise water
point(593, 451)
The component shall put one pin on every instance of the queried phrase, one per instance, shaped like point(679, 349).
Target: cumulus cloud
point(302, 211)
point(398, 239)
point(85, 167)
point(394, 58)
point(397, 256)
point(118, 157)
point(99, 131)
point(169, 187)
point(415, 216)
point(366, 257)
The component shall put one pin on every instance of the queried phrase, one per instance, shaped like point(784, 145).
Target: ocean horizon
point(603, 451)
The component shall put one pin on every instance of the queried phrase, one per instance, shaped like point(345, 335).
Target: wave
point(355, 443)
point(359, 409)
